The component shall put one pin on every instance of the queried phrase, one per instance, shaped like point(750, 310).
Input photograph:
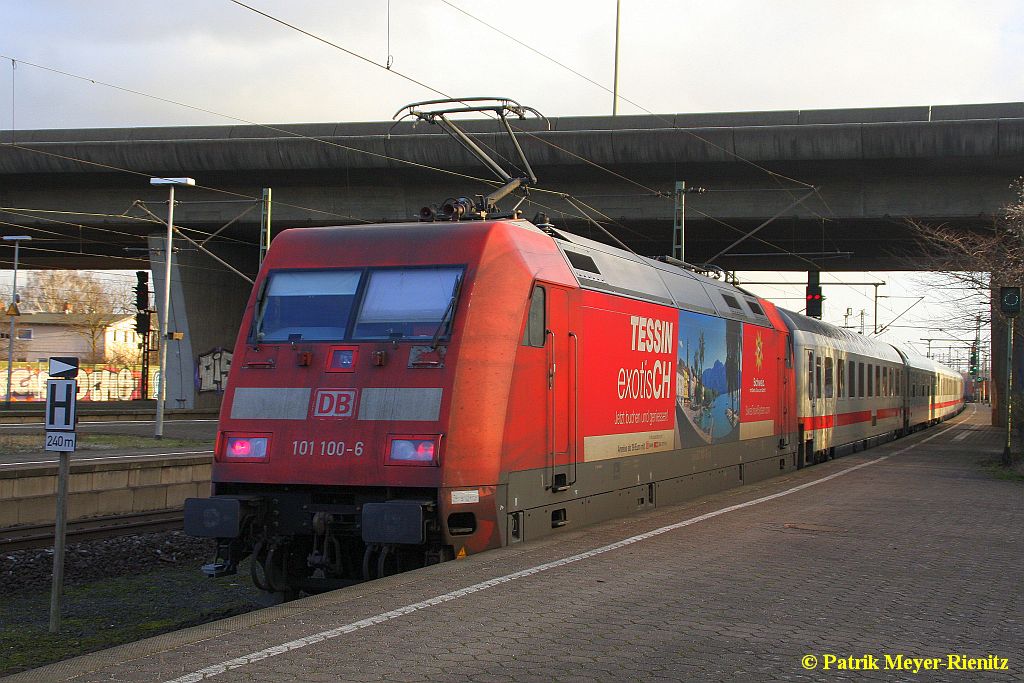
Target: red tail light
point(413, 450)
point(246, 447)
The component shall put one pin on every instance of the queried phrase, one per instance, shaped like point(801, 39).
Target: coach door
point(813, 396)
point(787, 397)
point(562, 368)
point(903, 392)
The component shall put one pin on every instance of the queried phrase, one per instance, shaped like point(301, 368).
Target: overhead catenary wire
point(646, 188)
point(136, 259)
point(273, 128)
point(27, 213)
point(143, 174)
point(425, 85)
point(774, 175)
point(404, 76)
point(620, 96)
point(238, 119)
point(653, 191)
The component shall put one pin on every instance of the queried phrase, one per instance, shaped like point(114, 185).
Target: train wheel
point(368, 561)
point(258, 568)
point(276, 571)
point(388, 562)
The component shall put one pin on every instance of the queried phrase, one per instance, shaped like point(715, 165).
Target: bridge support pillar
point(207, 301)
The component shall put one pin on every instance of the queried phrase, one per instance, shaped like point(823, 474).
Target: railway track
point(41, 535)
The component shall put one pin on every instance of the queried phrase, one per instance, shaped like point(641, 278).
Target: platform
point(910, 549)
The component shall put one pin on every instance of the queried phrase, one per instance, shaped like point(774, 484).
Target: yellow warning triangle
point(13, 309)
point(461, 554)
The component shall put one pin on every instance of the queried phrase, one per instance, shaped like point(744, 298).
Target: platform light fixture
point(12, 311)
point(165, 314)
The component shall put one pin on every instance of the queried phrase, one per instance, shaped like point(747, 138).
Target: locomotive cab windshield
point(393, 304)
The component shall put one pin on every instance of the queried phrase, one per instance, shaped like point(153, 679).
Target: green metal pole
point(679, 222)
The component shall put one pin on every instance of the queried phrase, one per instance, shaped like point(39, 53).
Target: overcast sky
point(675, 56)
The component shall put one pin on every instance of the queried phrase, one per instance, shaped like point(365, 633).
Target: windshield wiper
point(448, 311)
point(256, 333)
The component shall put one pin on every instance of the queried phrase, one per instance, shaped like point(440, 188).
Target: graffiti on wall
point(212, 370)
point(99, 382)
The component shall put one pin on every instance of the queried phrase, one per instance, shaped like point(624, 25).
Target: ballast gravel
point(26, 570)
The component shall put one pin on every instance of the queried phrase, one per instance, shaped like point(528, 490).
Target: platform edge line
point(298, 643)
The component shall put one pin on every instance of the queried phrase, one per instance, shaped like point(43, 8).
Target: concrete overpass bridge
point(76, 191)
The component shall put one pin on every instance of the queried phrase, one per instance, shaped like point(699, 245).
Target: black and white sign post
point(60, 437)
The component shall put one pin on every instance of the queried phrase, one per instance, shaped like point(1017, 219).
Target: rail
point(41, 535)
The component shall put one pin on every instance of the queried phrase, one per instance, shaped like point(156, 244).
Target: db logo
point(333, 402)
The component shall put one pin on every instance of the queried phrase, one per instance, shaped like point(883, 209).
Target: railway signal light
point(142, 290)
point(814, 299)
point(1009, 300)
point(974, 362)
point(142, 324)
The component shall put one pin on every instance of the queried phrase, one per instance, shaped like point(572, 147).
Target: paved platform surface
point(909, 549)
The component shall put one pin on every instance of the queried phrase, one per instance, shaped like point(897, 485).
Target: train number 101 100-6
point(326, 448)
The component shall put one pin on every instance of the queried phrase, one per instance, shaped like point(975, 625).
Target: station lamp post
point(165, 314)
point(12, 311)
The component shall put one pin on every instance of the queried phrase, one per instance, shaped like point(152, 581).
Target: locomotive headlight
point(413, 450)
point(246, 447)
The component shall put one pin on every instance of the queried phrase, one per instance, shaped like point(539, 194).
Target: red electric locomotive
point(405, 394)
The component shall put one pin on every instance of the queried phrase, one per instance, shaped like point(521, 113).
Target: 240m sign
point(62, 442)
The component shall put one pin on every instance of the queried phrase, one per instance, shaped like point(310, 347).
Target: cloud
point(675, 57)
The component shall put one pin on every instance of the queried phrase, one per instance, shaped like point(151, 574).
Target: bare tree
point(95, 304)
point(976, 263)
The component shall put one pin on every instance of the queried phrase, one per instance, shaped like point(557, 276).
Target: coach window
point(878, 387)
point(810, 375)
point(533, 335)
point(828, 378)
point(817, 377)
point(871, 384)
point(840, 377)
point(883, 384)
point(853, 379)
point(892, 381)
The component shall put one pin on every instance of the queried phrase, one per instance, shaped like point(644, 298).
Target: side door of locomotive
point(563, 352)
